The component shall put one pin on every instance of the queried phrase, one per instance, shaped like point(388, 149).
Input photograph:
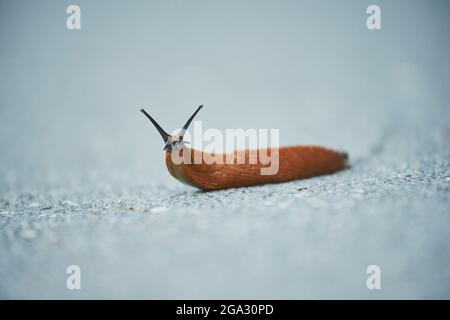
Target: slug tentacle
point(161, 131)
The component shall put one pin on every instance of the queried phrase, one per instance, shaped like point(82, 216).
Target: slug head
point(172, 142)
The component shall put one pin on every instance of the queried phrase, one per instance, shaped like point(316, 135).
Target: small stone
point(159, 209)
point(69, 203)
point(52, 237)
point(28, 234)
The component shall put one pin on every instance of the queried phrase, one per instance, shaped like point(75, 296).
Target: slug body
point(294, 162)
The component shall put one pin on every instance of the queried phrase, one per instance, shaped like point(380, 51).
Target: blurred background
point(70, 98)
point(70, 130)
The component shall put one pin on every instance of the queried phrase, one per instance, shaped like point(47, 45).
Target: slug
point(294, 162)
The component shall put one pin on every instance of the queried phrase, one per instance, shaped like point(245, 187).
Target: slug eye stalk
point(186, 125)
point(172, 141)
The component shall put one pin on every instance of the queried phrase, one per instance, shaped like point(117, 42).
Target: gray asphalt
point(311, 238)
point(83, 181)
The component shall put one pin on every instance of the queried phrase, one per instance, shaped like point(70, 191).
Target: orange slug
point(294, 162)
